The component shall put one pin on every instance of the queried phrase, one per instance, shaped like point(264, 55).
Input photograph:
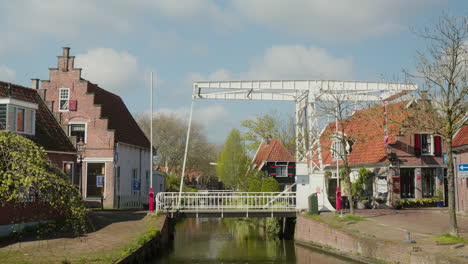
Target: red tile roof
point(48, 133)
point(366, 127)
point(274, 150)
point(461, 138)
point(120, 119)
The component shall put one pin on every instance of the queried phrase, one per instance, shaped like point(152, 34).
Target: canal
point(235, 241)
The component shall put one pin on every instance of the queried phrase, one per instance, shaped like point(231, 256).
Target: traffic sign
point(463, 170)
point(462, 167)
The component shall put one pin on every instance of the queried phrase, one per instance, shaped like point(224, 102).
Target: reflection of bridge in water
point(227, 204)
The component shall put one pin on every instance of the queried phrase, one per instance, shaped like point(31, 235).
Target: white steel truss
point(305, 94)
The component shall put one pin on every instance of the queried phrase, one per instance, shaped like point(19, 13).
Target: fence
point(219, 201)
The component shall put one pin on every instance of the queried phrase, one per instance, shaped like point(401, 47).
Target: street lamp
point(81, 147)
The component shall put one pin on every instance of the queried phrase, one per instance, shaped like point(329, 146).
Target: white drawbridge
point(227, 204)
point(305, 94)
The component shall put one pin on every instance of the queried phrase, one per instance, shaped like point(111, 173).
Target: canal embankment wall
point(360, 247)
point(154, 247)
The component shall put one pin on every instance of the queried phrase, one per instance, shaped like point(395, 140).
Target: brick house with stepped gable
point(409, 167)
point(117, 151)
point(274, 159)
point(460, 149)
point(23, 112)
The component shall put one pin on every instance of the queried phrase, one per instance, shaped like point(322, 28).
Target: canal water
point(235, 241)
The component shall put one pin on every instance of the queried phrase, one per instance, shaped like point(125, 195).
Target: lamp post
point(81, 147)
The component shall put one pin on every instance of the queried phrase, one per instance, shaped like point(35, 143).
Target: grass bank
point(114, 235)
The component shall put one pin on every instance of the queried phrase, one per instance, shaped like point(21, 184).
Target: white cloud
point(287, 62)
point(110, 69)
point(7, 74)
point(204, 115)
point(331, 20)
point(299, 62)
point(65, 18)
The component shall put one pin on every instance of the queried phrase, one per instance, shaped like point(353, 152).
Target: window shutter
point(417, 144)
point(72, 105)
point(437, 146)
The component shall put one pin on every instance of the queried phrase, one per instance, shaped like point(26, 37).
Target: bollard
point(338, 199)
point(151, 200)
point(408, 239)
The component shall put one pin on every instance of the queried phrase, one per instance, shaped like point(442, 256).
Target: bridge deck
point(230, 213)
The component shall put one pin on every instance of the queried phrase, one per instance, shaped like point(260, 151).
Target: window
point(64, 98)
point(17, 119)
point(426, 144)
point(147, 176)
point(78, 131)
point(3, 116)
point(135, 182)
point(281, 171)
point(338, 150)
point(407, 183)
point(428, 182)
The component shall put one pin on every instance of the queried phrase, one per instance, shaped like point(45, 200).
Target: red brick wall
point(99, 140)
point(309, 230)
point(25, 212)
point(404, 149)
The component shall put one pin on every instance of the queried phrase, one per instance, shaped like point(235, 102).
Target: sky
point(118, 43)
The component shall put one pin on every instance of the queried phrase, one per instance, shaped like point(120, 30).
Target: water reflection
point(235, 241)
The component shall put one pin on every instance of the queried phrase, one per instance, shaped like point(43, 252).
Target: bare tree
point(169, 134)
point(443, 69)
point(342, 138)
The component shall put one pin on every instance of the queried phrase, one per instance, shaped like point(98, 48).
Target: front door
point(95, 184)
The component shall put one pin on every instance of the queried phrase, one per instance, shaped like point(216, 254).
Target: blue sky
point(117, 43)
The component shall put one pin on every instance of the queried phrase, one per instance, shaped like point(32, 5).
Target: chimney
point(35, 84)
point(9, 89)
point(66, 52)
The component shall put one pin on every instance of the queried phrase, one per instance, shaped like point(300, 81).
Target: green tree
point(25, 174)
point(270, 125)
point(270, 185)
point(233, 163)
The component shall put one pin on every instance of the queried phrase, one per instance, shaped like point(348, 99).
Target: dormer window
point(64, 99)
point(17, 116)
point(338, 150)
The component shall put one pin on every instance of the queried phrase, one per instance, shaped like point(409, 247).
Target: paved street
point(423, 224)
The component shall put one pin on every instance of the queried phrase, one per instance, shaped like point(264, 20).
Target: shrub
point(270, 185)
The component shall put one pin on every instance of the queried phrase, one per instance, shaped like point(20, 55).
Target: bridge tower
point(305, 94)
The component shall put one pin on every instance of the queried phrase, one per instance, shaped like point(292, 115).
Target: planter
point(440, 204)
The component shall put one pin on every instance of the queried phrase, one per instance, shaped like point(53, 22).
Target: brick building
point(460, 149)
point(23, 111)
point(116, 160)
point(410, 166)
point(274, 160)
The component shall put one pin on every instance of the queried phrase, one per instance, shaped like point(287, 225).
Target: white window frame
point(78, 123)
point(336, 153)
point(431, 141)
point(60, 99)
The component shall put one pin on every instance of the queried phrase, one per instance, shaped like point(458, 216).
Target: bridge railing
point(220, 201)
